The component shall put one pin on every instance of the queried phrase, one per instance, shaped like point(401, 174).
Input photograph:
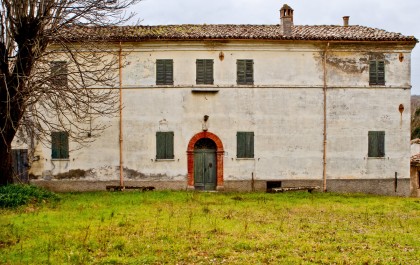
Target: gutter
point(121, 120)
point(324, 156)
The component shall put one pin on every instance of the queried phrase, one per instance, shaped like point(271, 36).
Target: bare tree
point(47, 82)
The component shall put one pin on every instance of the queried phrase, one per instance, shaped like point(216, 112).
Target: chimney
point(286, 19)
point(346, 21)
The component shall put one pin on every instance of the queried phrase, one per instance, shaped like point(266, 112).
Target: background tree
point(415, 116)
point(48, 83)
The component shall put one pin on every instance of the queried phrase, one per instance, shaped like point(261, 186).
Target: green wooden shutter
point(373, 76)
point(240, 144)
point(200, 78)
point(169, 152)
point(381, 144)
point(169, 72)
point(240, 72)
point(64, 145)
point(160, 72)
point(164, 72)
point(59, 145)
point(164, 145)
point(381, 72)
point(204, 71)
point(55, 145)
point(245, 144)
point(249, 72)
point(209, 72)
point(160, 145)
point(376, 142)
point(245, 72)
point(372, 143)
point(377, 72)
point(250, 145)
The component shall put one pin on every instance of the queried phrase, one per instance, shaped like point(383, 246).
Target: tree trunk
point(6, 170)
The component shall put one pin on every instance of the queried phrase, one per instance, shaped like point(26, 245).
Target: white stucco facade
point(284, 108)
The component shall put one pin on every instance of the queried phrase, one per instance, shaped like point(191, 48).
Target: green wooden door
point(205, 169)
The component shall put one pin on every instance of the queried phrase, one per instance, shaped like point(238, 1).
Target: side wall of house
point(284, 109)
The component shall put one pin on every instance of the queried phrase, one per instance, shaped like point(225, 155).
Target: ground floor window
point(245, 145)
point(165, 145)
point(376, 146)
point(59, 145)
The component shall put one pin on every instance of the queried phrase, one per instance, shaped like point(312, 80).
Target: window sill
point(163, 160)
point(60, 159)
point(245, 158)
point(205, 90)
point(380, 158)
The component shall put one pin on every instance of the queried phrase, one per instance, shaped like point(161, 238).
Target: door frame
point(219, 158)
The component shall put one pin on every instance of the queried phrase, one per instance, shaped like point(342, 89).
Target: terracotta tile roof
point(228, 32)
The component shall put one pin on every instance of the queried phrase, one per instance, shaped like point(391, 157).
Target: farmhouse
point(248, 107)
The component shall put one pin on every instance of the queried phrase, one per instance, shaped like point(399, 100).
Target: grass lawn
point(164, 227)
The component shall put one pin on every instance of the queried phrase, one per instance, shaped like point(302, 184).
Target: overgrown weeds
point(12, 196)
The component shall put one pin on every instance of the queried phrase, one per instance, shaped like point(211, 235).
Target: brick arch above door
point(219, 157)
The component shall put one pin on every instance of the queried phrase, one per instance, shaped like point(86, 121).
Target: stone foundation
point(370, 186)
point(82, 186)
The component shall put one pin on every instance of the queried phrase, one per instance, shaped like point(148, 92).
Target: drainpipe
point(324, 156)
point(121, 120)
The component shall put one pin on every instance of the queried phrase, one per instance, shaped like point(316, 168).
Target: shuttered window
point(204, 72)
point(377, 72)
point(376, 144)
point(165, 145)
point(59, 73)
point(245, 144)
point(245, 72)
point(164, 72)
point(59, 145)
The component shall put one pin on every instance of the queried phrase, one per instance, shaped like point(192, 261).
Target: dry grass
point(213, 228)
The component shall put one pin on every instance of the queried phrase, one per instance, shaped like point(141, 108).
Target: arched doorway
point(205, 162)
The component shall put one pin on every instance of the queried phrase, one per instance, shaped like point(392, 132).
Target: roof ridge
point(234, 31)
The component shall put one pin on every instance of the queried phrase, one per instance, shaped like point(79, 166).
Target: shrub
point(12, 196)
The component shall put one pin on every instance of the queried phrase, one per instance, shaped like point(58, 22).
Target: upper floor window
point(59, 73)
point(164, 72)
point(245, 72)
point(204, 72)
point(376, 144)
point(377, 72)
point(59, 145)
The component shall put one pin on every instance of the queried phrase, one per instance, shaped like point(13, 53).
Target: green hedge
point(12, 196)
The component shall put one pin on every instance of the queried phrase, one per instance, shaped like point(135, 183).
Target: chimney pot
point(346, 21)
point(286, 19)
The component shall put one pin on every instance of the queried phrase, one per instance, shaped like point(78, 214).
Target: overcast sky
point(392, 15)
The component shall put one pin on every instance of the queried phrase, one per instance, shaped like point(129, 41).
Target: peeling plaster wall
point(284, 109)
point(352, 113)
